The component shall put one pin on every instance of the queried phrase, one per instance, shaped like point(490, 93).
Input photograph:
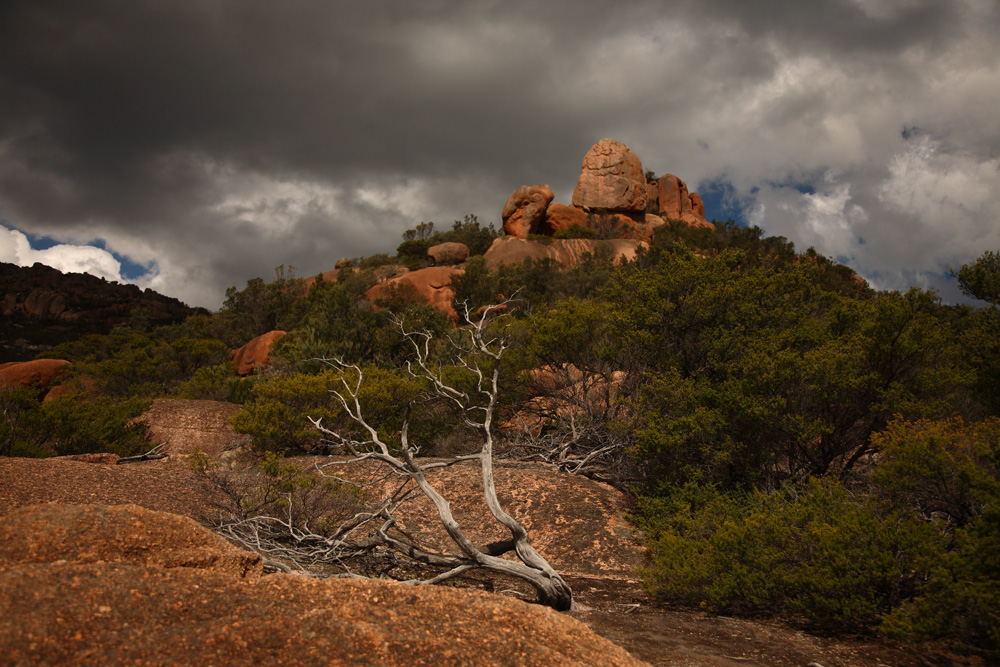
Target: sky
point(190, 145)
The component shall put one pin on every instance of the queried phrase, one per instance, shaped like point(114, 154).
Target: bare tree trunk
point(478, 352)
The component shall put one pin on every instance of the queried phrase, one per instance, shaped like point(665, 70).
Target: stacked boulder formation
point(611, 196)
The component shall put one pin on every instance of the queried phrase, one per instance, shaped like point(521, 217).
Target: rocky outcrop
point(40, 373)
point(611, 178)
point(567, 252)
point(576, 523)
point(431, 286)
point(525, 209)
point(644, 230)
point(45, 303)
point(676, 203)
point(448, 253)
point(128, 614)
point(118, 534)
point(559, 217)
point(255, 354)
point(611, 198)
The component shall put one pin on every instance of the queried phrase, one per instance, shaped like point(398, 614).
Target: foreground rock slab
point(72, 612)
point(117, 533)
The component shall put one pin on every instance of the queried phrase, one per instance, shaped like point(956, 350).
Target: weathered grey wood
point(477, 412)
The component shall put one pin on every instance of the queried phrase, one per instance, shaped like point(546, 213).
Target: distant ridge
point(42, 306)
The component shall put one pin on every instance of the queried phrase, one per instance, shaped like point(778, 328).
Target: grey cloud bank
point(209, 141)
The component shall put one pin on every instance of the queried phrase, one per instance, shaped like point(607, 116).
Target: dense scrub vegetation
point(797, 443)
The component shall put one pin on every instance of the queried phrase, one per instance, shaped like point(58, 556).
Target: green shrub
point(949, 471)
point(277, 418)
point(942, 469)
point(413, 254)
point(961, 602)
point(20, 414)
point(82, 424)
point(375, 261)
point(814, 551)
point(217, 383)
point(576, 232)
point(73, 423)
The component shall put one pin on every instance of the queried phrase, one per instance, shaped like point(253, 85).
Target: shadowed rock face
point(559, 217)
point(185, 426)
point(65, 605)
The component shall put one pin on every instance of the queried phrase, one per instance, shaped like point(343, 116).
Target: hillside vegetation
point(797, 443)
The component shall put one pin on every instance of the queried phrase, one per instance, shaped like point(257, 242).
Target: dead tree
point(477, 352)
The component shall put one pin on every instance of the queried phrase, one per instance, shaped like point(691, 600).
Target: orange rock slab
point(254, 355)
point(42, 373)
point(432, 284)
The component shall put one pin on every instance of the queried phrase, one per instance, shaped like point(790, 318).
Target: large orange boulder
point(525, 209)
point(254, 355)
point(431, 285)
point(559, 217)
point(676, 203)
point(41, 373)
point(611, 178)
point(448, 253)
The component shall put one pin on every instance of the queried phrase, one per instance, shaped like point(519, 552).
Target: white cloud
point(16, 249)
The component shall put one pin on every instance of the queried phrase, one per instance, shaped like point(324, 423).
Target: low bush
point(576, 232)
point(277, 418)
point(217, 383)
point(814, 551)
point(74, 423)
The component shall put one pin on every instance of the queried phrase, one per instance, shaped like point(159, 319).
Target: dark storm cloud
point(214, 139)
